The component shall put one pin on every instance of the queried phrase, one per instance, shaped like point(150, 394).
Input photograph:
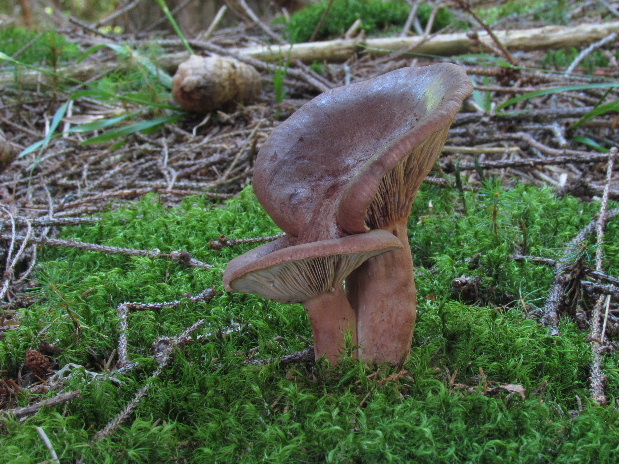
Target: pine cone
point(37, 363)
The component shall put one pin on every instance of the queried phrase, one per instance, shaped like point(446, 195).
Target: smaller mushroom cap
point(289, 273)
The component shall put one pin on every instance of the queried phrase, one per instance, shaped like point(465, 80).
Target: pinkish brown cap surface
point(320, 170)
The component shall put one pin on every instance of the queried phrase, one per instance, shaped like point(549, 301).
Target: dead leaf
point(510, 388)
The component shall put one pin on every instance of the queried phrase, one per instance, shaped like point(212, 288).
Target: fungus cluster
point(339, 177)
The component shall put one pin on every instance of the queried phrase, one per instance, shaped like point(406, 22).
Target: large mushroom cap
point(354, 133)
point(289, 273)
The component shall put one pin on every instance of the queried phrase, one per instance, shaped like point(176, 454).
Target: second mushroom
point(339, 177)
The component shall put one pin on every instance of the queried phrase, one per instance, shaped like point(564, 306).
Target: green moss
point(561, 59)
point(210, 406)
point(37, 48)
point(552, 12)
point(376, 15)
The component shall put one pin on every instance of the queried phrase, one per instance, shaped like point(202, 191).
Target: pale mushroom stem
point(332, 317)
point(383, 292)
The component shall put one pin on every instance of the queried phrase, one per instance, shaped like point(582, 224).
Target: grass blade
point(132, 129)
point(57, 119)
point(567, 88)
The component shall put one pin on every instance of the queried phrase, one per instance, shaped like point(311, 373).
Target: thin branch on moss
point(160, 344)
point(303, 356)
point(590, 272)
point(34, 408)
point(321, 21)
point(163, 359)
point(597, 378)
point(134, 193)
point(480, 150)
point(224, 241)
point(48, 444)
point(430, 24)
point(55, 222)
point(123, 314)
point(571, 254)
point(180, 256)
point(59, 377)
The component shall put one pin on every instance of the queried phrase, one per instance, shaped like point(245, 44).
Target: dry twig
point(597, 378)
point(34, 408)
point(180, 256)
point(571, 254)
point(123, 314)
point(224, 241)
point(163, 359)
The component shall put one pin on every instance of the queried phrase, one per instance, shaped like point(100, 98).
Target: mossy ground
point(44, 48)
point(376, 17)
point(211, 406)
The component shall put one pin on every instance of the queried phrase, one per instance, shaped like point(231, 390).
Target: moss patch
point(211, 406)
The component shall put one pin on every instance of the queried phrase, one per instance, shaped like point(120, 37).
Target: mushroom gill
point(311, 274)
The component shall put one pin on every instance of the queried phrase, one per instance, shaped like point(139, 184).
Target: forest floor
point(528, 161)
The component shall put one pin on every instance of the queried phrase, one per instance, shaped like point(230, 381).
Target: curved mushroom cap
point(289, 273)
point(354, 133)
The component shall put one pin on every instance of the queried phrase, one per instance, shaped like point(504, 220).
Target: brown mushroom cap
point(289, 273)
point(324, 165)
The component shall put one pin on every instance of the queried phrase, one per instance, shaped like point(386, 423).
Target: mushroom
point(312, 274)
point(381, 196)
point(346, 165)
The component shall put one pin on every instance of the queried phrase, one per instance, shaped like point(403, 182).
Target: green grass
point(561, 59)
point(37, 47)
point(137, 88)
point(209, 406)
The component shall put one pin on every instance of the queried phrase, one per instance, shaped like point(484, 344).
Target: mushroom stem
point(383, 292)
point(332, 317)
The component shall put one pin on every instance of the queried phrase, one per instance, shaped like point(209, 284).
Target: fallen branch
point(123, 314)
point(179, 256)
point(613, 281)
point(224, 241)
point(466, 6)
point(571, 254)
point(162, 361)
point(304, 356)
point(597, 378)
point(528, 162)
point(33, 408)
point(440, 44)
point(340, 50)
point(48, 444)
